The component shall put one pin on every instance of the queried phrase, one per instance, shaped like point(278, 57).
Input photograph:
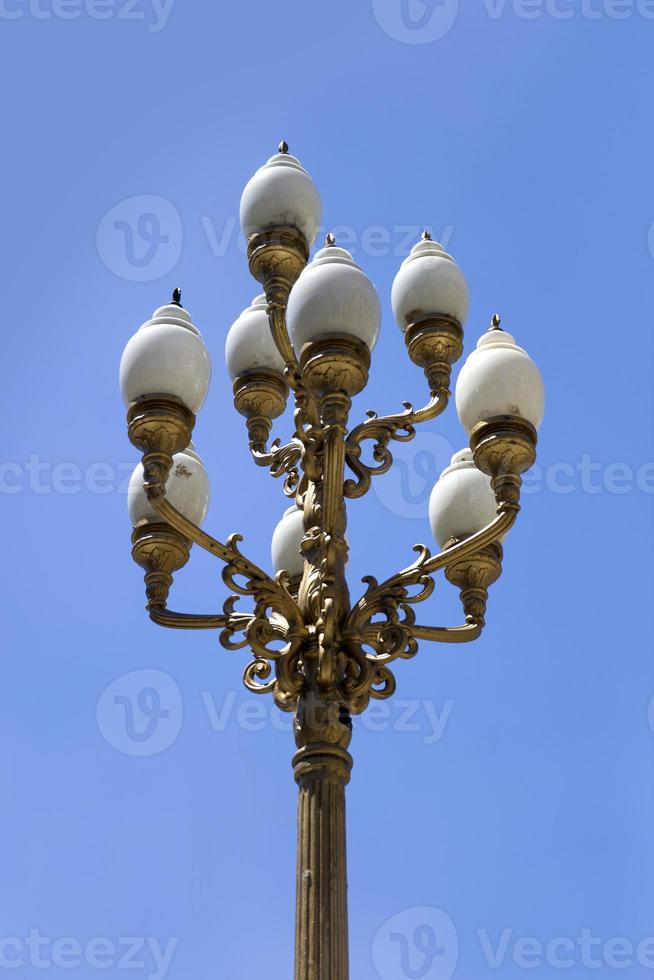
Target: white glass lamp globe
point(462, 501)
point(166, 356)
point(499, 378)
point(187, 489)
point(286, 540)
point(429, 283)
point(333, 296)
point(249, 346)
point(281, 193)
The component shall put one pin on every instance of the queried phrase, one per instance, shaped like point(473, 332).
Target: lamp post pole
point(319, 655)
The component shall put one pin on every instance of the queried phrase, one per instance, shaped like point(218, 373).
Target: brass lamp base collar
point(160, 423)
point(278, 253)
point(260, 393)
point(338, 362)
point(160, 550)
point(504, 447)
point(473, 576)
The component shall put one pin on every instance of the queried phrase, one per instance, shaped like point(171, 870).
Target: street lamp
point(311, 333)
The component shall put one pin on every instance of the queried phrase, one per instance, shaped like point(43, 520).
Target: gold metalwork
point(434, 344)
point(160, 550)
point(504, 447)
point(276, 259)
point(334, 364)
point(160, 423)
point(474, 575)
point(319, 655)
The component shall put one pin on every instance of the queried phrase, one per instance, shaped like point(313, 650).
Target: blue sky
point(505, 798)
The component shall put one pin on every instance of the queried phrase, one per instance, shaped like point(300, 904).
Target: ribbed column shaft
point(321, 933)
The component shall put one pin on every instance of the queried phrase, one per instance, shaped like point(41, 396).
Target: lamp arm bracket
point(382, 429)
point(240, 574)
point(162, 616)
point(281, 461)
point(386, 598)
point(450, 634)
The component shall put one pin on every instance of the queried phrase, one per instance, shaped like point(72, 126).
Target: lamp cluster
point(332, 297)
point(310, 334)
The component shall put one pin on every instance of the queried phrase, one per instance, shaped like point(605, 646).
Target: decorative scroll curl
point(282, 461)
point(382, 429)
point(275, 619)
point(378, 631)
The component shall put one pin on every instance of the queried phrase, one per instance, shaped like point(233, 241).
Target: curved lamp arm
point(423, 568)
point(427, 563)
point(268, 592)
point(449, 634)
point(434, 343)
point(383, 428)
point(277, 319)
point(187, 528)
point(280, 461)
point(190, 621)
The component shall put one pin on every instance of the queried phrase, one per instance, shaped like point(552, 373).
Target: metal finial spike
point(495, 322)
point(283, 147)
point(426, 236)
point(330, 239)
point(177, 296)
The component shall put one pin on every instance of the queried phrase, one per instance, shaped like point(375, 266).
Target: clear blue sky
point(517, 800)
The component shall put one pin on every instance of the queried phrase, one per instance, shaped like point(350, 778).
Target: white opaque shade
point(286, 540)
point(499, 378)
point(249, 345)
point(462, 501)
point(333, 296)
point(166, 356)
point(187, 489)
point(429, 283)
point(281, 193)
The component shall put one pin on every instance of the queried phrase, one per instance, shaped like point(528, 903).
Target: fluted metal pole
point(322, 769)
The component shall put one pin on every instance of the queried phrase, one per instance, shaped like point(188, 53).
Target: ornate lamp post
point(320, 655)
